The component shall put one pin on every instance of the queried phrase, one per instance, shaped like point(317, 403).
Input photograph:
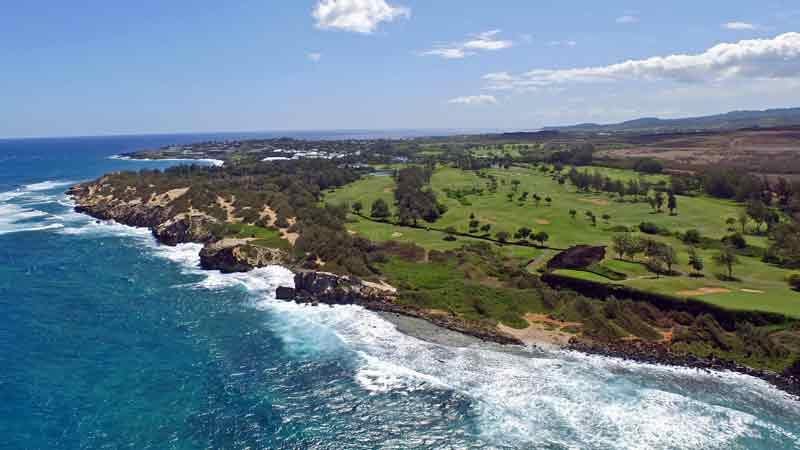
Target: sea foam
point(525, 398)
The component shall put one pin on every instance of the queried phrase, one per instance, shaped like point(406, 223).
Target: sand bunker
point(543, 330)
point(397, 235)
point(595, 201)
point(752, 291)
point(542, 222)
point(703, 291)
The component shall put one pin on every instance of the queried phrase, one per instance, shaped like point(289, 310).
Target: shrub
point(651, 228)
point(794, 281)
point(692, 237)
point(736, 240)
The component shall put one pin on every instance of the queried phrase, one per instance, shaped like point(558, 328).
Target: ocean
point(108, 340)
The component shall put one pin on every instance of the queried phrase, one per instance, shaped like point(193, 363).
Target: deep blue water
point(108, 340)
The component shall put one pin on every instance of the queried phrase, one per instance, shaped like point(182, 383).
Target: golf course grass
point(759, 286)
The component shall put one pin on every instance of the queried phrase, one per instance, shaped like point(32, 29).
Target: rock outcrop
point(236, 255)
point(577, 257)
point(156, 214)
point(320, 287)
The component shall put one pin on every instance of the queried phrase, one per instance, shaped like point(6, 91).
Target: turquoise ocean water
point(108, 340)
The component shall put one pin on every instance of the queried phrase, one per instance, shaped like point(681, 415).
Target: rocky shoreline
point(237, 255)
point(314, 287)
point(660, 354)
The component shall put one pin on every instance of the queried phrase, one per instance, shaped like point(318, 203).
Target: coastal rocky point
point(239, 255)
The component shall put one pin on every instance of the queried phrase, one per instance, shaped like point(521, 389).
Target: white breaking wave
point(524, 398)
point(533, 398)
point(209, 161)
point(46, 185)
point(19, 209)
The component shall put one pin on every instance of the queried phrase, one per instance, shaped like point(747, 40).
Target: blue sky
point(90, 67)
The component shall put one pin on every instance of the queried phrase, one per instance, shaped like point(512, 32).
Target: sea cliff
point(171, 226)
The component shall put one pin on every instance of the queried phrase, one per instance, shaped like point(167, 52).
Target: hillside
point(728, 121)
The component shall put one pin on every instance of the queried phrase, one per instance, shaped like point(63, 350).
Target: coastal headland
point(378, 227)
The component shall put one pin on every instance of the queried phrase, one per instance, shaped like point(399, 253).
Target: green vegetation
point(568, 222)
point(463, 226)
point(263, 237)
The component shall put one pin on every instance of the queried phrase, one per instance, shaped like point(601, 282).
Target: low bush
point(794, 281)
point(652, 228)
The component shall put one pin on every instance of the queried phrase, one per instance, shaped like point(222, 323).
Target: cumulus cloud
point(627, 19)
point(748, 59)
point(739, 26)
point(486, 41)
point(358, 16)
point(474, 100)
point(314, 57)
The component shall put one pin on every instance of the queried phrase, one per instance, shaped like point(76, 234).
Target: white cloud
point(748, 59)
point(315, 57)
point(739, 26)
point(474, 100)
point(627, 19)
point(359, 16)
point(486, 41)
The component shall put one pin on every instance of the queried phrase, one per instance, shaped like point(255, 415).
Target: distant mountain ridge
point(727, 121)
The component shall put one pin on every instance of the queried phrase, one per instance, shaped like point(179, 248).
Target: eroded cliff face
point(237, 255)
point(173, 225)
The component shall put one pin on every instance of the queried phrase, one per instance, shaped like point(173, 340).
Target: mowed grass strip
point(760, 286)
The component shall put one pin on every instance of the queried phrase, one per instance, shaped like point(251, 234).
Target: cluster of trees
point(661, 257)
point(414, 198)
point(648, 165)
point(785, 248)
point(525, 233)
point(577, 155)
point(587, 181)
point(744, 187)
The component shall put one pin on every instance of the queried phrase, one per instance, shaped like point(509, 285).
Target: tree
point(502, 236)
point(541, 237)
point(486, 228)
point(358, 207)
point(380, 209)
point(514, 185)
point(758, 211)
point(731, 222)
point(414, 200)
point(548, 200)
point(523, 233)
point(621, 244)
point(672, 203)
point(727, 258)
point(473, 225)
point(744, 219)
point(666, 255)
point(652, 202)
point(735, 240)
point(590, 215)
point(606, 217)
point(692, 237)
point(573, 213)
point(696, 261)
point(785, 249)
point(659, 200)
